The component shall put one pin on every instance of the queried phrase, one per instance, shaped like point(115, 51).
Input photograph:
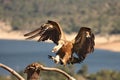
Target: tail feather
point(74, 60)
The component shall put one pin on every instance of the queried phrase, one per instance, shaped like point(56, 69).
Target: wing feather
point(83, 43)
point(33, 32)
point(33, 36)
point(50, 30)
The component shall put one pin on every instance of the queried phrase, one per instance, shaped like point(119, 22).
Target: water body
point(18, 54)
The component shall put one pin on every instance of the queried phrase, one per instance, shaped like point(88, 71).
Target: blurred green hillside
point(82, 74)
point(103, 16)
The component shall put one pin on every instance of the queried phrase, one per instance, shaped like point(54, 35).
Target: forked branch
point(33, 70)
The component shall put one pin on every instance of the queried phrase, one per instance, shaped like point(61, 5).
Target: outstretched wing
point(83, 43)
point(50, 30)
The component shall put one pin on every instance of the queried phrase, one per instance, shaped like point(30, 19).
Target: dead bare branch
point(33, 71)
point(11, 71)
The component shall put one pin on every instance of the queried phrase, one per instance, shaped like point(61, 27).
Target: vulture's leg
point(56, 59)
point(56, 48)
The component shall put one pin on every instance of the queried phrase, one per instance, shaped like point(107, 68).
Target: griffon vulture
point(81, 45)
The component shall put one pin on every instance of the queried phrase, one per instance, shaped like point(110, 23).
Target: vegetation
point(105, 75)
point(82, 74)
point(102, 15)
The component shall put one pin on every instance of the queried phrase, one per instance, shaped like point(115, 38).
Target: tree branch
point(59, 71)
point(33, 71)
point(11, 71)
point(36, 67)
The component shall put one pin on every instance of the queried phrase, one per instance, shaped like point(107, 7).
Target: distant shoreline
point(111, 43)
point(101, 43)
point(113, 46)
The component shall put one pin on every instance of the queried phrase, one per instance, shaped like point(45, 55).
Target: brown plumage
point(82, 45)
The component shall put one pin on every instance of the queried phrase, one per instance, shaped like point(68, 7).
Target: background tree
point(101, 15)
